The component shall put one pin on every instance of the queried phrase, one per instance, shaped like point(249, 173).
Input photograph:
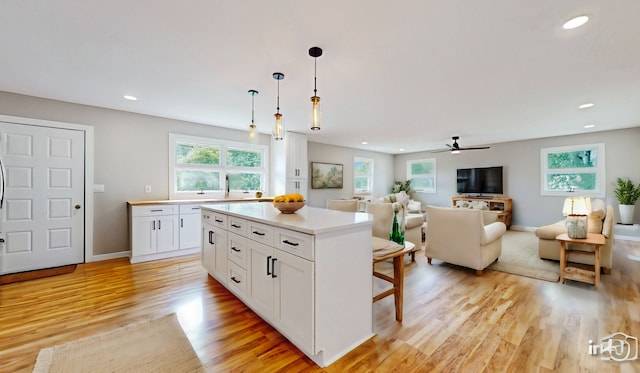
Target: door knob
point(77, 207)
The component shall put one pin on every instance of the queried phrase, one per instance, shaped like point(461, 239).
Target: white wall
point(317, 152)
point(521, 162)
point(131, 151)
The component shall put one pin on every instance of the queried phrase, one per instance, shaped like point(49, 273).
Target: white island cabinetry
point(308, 274)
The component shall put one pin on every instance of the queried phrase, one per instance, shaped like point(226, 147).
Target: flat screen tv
point(480, 180)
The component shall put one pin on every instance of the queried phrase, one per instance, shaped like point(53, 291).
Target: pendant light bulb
point(278, 130)
point(252, 126)
point(315, 52)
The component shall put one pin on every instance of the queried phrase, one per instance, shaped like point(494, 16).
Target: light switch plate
point(147, 188)
point(98, 188)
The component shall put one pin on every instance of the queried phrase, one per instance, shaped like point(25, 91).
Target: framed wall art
point(326, 175)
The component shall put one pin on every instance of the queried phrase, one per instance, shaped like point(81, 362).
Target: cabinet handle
point(268, 268)
point(181, 223)
point(290, 243)
point(159, 225)
point(218, 220)
point(195, 208)
point(234, 280)
point(258, 233)
point(273, 268)
point(156, 210)
point(236, 226)
point(211, 237)
point(234, 249)
point(154, 225)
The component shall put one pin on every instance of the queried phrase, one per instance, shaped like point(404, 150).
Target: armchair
point(350, 205)
point(459, 236)
point(600, 220)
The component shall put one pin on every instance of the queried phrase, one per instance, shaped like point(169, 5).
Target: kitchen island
point(308, 274)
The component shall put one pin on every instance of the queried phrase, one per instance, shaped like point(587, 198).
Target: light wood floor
point(453, 320)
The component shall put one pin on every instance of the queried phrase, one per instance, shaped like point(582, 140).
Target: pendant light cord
point(315, 65)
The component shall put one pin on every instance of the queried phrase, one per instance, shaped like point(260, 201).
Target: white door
point(42, 209)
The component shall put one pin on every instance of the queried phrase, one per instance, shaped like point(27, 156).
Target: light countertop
point(198, 201)
point(310, 220)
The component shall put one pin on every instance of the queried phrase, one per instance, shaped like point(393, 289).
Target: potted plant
point(627, 194)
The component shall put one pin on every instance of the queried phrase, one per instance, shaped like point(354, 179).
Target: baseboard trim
point(116, 255)
point(523, 228)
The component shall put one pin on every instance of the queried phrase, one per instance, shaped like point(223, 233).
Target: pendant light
point(315, 52)
point(278, 130)
point(252, 126)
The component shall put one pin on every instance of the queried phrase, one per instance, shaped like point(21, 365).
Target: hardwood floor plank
point(454, 321)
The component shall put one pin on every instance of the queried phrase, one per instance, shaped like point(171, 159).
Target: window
point(422, 173)
point(200, 165)
point(569, 170)
point(362, 175)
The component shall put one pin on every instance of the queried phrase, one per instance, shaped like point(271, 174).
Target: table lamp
point(576, 210)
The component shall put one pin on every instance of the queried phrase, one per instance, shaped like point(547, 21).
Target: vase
point(626, 213)
point(397, 229)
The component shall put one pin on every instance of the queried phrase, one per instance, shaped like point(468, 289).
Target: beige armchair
point(383, 220)
point(600, 221)
point(350, 205)
point(459, 236)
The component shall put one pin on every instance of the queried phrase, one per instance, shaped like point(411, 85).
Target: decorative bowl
point(288, 207)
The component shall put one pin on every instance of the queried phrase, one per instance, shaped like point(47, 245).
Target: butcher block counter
point(308, 274)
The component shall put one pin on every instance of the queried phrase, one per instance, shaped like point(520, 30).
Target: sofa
point(600, 220)
point(459, 236)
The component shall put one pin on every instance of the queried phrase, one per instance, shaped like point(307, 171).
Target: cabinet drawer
point(214, 218)
point(298, 244)
point(260, 232)
point(237, 225)
point(154, 210)
point(237, 280)
point(238, 249)
point(190, 209)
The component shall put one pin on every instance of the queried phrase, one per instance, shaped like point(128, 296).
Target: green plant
point(626, 192)
point(399, 186)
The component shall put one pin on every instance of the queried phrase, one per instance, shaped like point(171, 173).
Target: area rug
point(156, 345)
point(520, 257)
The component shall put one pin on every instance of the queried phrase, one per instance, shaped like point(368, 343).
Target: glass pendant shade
point(278, 129)
point(252, 127)
point(315, 114)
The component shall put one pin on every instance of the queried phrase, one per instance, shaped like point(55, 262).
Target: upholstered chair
point(349, 205)
point(459, 236)
point(382, 218)
point(600, 220)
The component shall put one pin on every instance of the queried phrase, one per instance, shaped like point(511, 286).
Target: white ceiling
point(399, 74)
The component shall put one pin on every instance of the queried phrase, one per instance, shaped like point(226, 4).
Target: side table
point(579, 274)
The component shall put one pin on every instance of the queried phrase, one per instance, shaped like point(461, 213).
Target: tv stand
point(500, 206)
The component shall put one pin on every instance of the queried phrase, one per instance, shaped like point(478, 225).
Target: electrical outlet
point(147, 188)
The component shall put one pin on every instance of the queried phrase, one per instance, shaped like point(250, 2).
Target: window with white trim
point(573, 170)
point(422, 173)
point(204, 167)
point(362, 175)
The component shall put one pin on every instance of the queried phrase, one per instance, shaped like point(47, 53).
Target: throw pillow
point(414, 206)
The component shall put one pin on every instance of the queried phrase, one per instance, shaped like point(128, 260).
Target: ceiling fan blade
point(449, 146)
point(440, 151)
point(477, 148)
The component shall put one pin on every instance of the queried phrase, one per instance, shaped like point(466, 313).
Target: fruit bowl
point(288, 207)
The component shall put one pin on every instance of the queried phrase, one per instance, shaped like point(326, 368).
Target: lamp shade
point(576, 206)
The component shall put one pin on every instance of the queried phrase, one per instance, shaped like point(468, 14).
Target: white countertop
point(310, 220)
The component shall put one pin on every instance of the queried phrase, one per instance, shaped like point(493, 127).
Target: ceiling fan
point(455, 148)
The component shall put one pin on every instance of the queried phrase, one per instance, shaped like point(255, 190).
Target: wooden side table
point(579, 274)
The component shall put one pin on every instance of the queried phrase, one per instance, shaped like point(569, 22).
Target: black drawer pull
point(268, 268)
point(195, 208)
point(218, 220)
point(273, 268)
point(234, 249)
point(235, 280)
point(158, 210)
point(236, 226)
point(258, 233)
point(211, 237)
point(290, 243)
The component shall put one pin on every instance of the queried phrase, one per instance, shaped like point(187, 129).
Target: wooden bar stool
point(398, 275)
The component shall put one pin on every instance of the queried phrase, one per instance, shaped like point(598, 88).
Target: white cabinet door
point(167, 231)
point(261, 284)
point(143, 235)
point(296, 155)
point(220, 264)
point(296, 186)
point(294, 299)
point(208, 250)
point(189, 231)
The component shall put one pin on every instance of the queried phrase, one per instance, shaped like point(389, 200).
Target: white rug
point(156, 345)
point(520, 257)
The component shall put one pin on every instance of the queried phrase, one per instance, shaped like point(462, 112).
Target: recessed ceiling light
point(401, 149)
point(575, 22)
point(130, 98)
point(586, 106)
point(589, 125)
point(364, 143)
